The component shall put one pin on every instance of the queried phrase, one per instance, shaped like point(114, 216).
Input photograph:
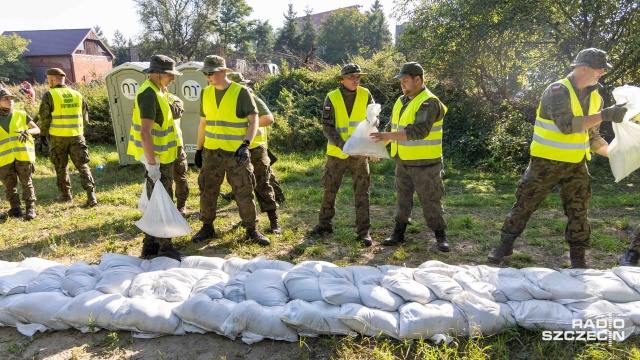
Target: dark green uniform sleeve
point(149, 107)
point(262, 107)
point(429, 113)
point(329, 124)
point(44, 113)
point(246, 105)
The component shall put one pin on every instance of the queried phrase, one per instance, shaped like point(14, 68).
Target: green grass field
point(475, 205)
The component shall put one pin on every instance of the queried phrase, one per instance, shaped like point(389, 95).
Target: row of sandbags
point(274, 299)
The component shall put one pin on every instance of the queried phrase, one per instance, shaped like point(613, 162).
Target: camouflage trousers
point(537, 182)
point(9, 174)
point(426, 181)
point(275, 184)
point(215, 164)
point(167, 182)
point(179, 173)
point(262, 171)
point(360, 180)
point(63, 147)
point(635, 240)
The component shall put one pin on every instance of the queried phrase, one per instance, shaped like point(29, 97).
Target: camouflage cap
point(410, 68)
point(55, 71)
point(214, 63)
point(162, 64)
point(593, 58)
point(237, 77)
point(6, 93)
point(349, 69)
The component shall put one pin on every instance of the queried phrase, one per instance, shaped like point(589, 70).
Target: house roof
point(53, 42)
point(319, 18)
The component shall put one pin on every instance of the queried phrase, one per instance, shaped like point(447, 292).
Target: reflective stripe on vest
point(163, 136)
point(428, 148)
point(10, 148)
point(224, 130)
point(260, 138)
point(346, 124)
point(66, 117)
point(550, 143)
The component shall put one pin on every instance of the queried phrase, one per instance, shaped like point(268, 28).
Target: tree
point(263, 40)
point(308, 37)
point(100, 34)
point(376, 34)
point(120, 48)
point(12, 64)
point(288, 37)
point(341, 35)
point(233, 26)
point(182, 29)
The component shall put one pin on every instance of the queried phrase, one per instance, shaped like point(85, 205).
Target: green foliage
point(288, 37)
point(341, 35)
point(120, 49)
point(376, 35)
point(100, 127)
point(233, 25)
point(263, 40)
point(12, 65)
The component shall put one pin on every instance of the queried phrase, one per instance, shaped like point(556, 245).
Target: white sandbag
point(605, 318)
point(485, 317)
point(49, 280)
point(515, 286)
point(630, 97)
point(630, 309)
point(148, 316)
point(401, 282)
point(90, 311)
point(606, 282)
point(337, 286)
point(142, 285)
point(266, 287)
point(384, 269)
point(482, 272)
point(630, 275)
point(84, 268)
point(256, 322)
point(360, 272)
point(360, 143)
point(624, 150)
point(37, 264)
point(110, 258)
point(441, 268)
point(252, 265)
point(439, 317)
point(542, 314)
point(233, 265)
point(39, 308)
point(8, 264)
point(6, 319)
point(234, 290)
point(474, 285)
point(205, 313)
point(161, 218)
point(211, 284)
point(302, 281)
point(561, 286)
point(77, 283)
point(444, 287)
point(202, 262)
point(175, 284)
point(143, 201)
point(375, 296)
point(117, 279)
point(315, 318)
point(370, 322)
point(15, 280)
point(160, 263)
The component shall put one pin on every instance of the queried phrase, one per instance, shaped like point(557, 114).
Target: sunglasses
point(208, 73)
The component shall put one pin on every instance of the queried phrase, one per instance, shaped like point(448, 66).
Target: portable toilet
point(188, 88)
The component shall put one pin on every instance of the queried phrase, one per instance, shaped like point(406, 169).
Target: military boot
point(206, 232)
point(30, 213)
point(91, 199)
point(321, 230)
point(13, 212)
point(397, 237)
point(168, 250)
point(255, 236)
point(577, 257)
point(503, 250)
point(274, 225)
point(441, 239)
point(64, 197)
point(150, 247)
point(182, 207)
point(365, 239)
point(630, 258)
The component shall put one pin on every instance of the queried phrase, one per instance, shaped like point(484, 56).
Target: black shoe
point(321, 230)
point(397, 237)
point(64, 198)
point(149, 250)
point(255, 236)
point(13, 212)
point(30, 214)
point(206, 232)
point(170, 252)
point(274, 225)
point(228, 196)
point(91, 199)
point(630, 258)
point(442, 243)
point(366, 240)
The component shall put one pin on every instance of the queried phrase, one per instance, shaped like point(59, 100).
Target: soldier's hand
point(44, 146)
point(24, 136)
point(242, 154)
point(153, 171)
point(198, 159)
point(614, 113)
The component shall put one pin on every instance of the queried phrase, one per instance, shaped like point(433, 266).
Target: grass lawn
point(475, 205)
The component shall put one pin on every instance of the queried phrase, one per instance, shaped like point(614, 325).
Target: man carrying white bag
point(360, 143)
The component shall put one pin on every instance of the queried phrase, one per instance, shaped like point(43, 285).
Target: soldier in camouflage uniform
point(565, 134)
point(630, 258)
point(228, 124)
point(17, 155)
point(180, 165)
point(344, 108)
point(415, 133)
point(61, 116)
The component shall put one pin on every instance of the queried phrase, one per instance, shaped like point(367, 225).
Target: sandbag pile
point(271, 299)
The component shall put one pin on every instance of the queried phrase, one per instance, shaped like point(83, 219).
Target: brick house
point(78, 52)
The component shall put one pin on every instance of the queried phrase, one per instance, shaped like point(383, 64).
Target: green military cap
point(593, 58)
point(349, 69)
point(6, 93)
point(214, 63)
point(162, 64)
point(237, 77)
point(410, 68)
point(55, 71)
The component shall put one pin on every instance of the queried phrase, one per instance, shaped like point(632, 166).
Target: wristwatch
point(246, 142)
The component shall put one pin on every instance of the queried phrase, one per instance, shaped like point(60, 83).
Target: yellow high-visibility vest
point(164, 136)
point(346, 124)
point(10, 148)
point(550, 143)
point(428, 148)
point(224, 130)
point(66, 117)
point(260, 138)
point(176, 122)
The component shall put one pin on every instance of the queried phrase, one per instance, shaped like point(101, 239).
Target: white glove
point(153, 171)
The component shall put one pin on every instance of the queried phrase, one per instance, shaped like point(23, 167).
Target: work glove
point(23, 136)
point(614, 113)
point(153, 171)
point(198, 159)
point(42, 147)
point(242, 154)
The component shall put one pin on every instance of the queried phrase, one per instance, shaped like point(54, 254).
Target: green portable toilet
point(188, 88)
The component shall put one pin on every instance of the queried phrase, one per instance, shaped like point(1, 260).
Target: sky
point(112, 15)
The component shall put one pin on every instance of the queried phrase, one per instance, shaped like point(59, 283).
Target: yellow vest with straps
point(224, 130)
point(164, 136)
point(10, 148)
point(176, 122)
point(260, 138)
point(550, 143)
point(66, 117)
point(345, 124)
point(428, 148)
